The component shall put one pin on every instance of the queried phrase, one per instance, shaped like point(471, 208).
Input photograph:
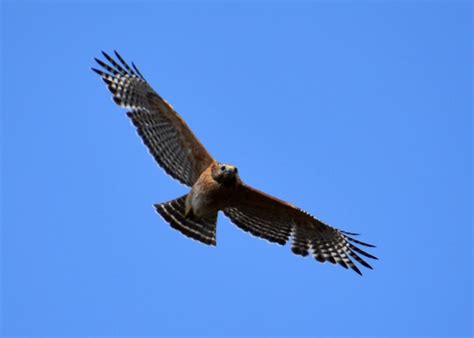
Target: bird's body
point(217, 187)
point(210, 194)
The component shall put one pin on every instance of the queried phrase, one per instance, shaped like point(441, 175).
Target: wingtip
point(100, 62)
point(343, 264)
point(367, 265)
point(117, 54)
point(350, 233)
point(356, 269)
point(358, 242)
point(97, 71)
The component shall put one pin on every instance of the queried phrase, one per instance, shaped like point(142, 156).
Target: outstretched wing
point(267, 217)
point(164, 132)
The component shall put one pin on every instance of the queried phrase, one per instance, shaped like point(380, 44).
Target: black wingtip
point(108, 57)
point(101, 63)
point(343, 264)
point(349, 233)
point(133, 72)
point(105, 54)
point(356, 269)
point(359, 242)
point(367, 265)
point(117, 54)
point(97, 71)
point(362, 252)
point(138, 72)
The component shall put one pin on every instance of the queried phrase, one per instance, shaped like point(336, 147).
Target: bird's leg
point(188, 214)
point(188, 209)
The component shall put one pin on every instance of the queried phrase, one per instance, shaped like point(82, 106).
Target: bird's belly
point(206, 202)
point(203, 205)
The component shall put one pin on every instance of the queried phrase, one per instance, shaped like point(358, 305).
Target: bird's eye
point(223, 168)
point(235, 170)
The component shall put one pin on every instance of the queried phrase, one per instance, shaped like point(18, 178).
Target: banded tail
point(203, 230)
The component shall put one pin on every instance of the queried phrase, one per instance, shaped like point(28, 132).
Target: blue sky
point(358, 112)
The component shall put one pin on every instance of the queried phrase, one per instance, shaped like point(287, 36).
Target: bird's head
point(225, 174)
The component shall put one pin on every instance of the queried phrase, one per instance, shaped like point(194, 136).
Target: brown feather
point(164, 132)
point(277, 221)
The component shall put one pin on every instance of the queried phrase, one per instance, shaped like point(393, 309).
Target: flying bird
point(217, 186)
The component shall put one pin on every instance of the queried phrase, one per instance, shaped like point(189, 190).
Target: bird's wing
point(277, 221)
point(164, 132)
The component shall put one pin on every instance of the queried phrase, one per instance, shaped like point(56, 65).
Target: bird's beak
point(229, 173)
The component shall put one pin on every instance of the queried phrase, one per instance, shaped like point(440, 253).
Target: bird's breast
point(207, 197)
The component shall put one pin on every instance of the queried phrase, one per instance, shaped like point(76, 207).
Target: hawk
point(217, 186)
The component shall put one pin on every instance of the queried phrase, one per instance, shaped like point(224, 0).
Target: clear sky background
point(358, 112)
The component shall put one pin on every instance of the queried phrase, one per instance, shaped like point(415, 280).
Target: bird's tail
point(173, 212)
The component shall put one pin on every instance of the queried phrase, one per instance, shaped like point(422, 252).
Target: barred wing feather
point(164, 132)
point(277, 221)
